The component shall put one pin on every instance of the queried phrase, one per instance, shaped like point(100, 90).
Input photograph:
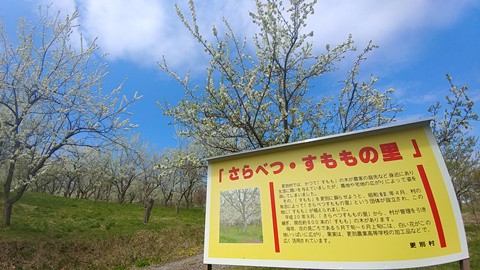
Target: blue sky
point(420, 40)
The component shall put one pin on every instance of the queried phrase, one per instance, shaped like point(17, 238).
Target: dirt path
point(190, 263)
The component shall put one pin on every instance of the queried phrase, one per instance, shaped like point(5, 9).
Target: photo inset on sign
point(240, 216)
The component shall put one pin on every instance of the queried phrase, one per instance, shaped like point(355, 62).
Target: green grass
point(56, 232)
point(234, 234)
point(39, 216)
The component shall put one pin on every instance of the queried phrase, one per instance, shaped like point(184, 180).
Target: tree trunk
point(108, 193)
point(245, 224)
point(187, 203)
point(188, 195)
point(167, 199)
point(7, 213)
point(69, 190)
point(148, 210)
point(459, 200)
point(177, 208)
point(131, 199)
point(53, 189)
point(121, 195)
point(7, 204)
point(121, 199)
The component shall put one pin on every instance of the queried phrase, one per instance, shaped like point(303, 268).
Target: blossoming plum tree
point(51, 96)
point(260, 94)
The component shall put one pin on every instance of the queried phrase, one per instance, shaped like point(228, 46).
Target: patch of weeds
point(59, 235)
point(142, 263)
point(26, 252)
point(109, 224)
point(471, 228)
point(156, 260)
point(120, 267)
point(95, 225)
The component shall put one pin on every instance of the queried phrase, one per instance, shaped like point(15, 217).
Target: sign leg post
point(209, 267)
point(465, 264)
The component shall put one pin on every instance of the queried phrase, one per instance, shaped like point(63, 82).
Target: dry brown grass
point(118, 252)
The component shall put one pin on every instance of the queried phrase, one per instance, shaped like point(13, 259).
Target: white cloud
point(412, 98)
point(396, 25)
point(125, 28)
point(144, 30)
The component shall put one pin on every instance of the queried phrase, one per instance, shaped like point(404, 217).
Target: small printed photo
point(240, 216)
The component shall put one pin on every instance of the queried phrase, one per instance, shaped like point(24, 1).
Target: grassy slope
point(54, 232)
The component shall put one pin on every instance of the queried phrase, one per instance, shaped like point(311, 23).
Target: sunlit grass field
point(55, 232)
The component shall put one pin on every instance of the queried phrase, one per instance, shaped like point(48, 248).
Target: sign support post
point(465, 264)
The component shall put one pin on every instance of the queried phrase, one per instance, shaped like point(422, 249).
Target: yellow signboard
point(374, 199)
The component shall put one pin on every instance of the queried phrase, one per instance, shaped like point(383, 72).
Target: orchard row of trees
point(62, 133)
point(125, 173)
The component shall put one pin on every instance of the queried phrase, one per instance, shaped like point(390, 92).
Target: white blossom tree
point(240, 207)
point(72, 172)
point(144, 159)
point(87, 170)
point(51, 96)
point(260, 95)
point(150, 179)
point(453, 121)
point(65, 172)
point(122, 167)
point(182, 171)
point(458, 146)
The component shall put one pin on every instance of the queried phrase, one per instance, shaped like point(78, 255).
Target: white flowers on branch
point(458, 145)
